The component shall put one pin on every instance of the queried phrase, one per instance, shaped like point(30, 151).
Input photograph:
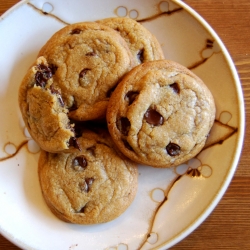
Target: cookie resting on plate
point(90, 59)
point(72, 79)
point(160, 114)
point(93, 186)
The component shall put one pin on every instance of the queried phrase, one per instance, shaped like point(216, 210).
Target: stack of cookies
point(110, 74)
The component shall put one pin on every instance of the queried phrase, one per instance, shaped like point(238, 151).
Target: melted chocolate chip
point(46, 71)
point(74, 143)
point(83, 72)
point(85, 186)
point(90, 54)
point(153, 117)
point(75, 31)
point(53, 90)
point(123, 124)
point(80, 161)
point(43, 74)
point(130, 96)
point(57, 92)
point(173, 149)
point(42, 67)
point(140, 55)
point(53, 68)
point(40, 80)
point(175, 87)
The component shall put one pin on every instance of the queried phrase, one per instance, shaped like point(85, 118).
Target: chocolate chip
point(90, 54)
point(85, 186)
point(53, 90)
point(42, 67)
point(83, 72)
point(173, 149)
point(140, 55)
point(153, 117)
point(75, 31)
point(74, 143)
point(80, 161)
point(40, 80)
point(130, 96)
point(57, 92)
point(175, 87)
point(43, 74)
point(89, 181)
point(123, 124)
point(53, 68)
point(47, 72)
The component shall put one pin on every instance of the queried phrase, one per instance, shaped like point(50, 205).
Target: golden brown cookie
point(93, 186)
point(143, 44)
point(72, 79)
point(90, 59)
point(160, 114)
point(43, 109)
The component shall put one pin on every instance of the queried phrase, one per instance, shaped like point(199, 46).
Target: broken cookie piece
point(44, 111)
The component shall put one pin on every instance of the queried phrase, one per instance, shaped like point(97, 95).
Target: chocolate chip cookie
point(93, 186)
point(160, 114)
point(43, 109)
point(90, 59)
point(72, 79)
point(142, 43)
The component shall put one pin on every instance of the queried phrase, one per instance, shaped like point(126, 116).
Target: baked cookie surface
point(93, 186)
point(72, 79)
point(43, 109)
point(143, 44)
point(90, 59)
point(160, 114)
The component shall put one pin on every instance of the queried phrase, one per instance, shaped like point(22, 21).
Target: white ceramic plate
point(170, 203)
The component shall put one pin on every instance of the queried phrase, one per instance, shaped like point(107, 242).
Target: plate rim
point(241, 132)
